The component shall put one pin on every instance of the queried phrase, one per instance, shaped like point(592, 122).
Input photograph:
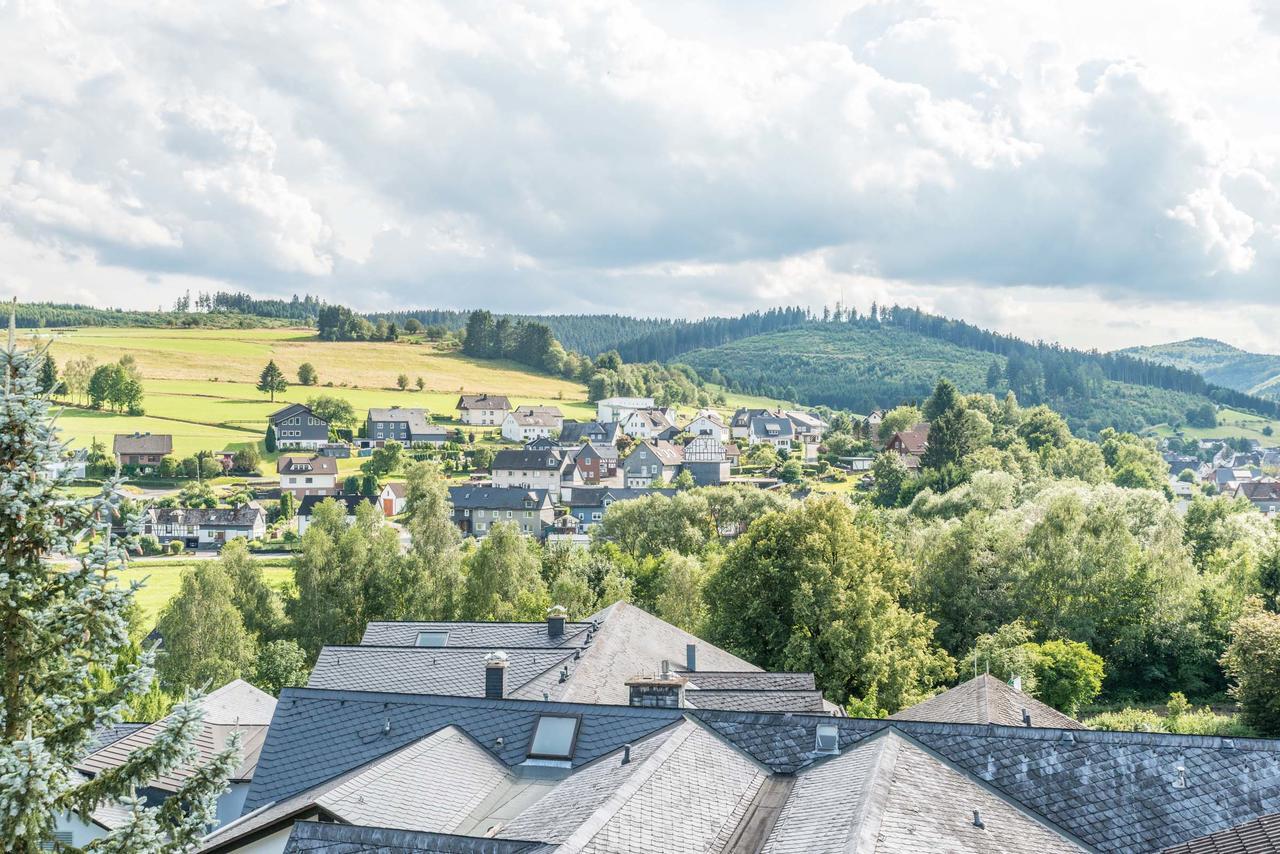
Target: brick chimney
point(663, 690)
point(495, 674)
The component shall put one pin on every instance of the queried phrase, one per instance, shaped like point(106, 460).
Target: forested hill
point(862, 366)
point(1219, 363)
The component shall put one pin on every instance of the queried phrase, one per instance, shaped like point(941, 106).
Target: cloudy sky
point(1099, 172)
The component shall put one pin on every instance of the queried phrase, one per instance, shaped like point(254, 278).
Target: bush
point(1252, 660)
point(150, 545)
point(176, 547)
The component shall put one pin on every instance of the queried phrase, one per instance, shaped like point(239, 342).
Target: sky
point(1098, 173)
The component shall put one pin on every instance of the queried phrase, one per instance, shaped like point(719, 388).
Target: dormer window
point(827, 739)
point(554, 737)
point(432, 638)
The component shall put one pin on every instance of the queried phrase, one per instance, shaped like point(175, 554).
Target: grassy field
point(199, 384)
point(1231, 423)
point(162, 580)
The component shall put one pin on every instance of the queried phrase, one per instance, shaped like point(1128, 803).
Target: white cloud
point(634, 156)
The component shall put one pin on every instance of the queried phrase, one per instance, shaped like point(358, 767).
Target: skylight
point(432, 638)
point(554, 737)
point(828, 739)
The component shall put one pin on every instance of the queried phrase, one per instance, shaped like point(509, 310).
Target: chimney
point(664, 690)
point(495, 672)
point(691, 657)
point(555, 621)
point(1017, 683)
point(1026, 717)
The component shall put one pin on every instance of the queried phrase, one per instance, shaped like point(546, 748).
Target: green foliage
point(116, 385)
point(898, 419)
point(205, 639)
point(890, 475)
point(1180, 718)
point(272, 380)
point(257, 603)
point(307, 374)
point(335, 410)
point(269, 440)
point(504, 579)
point(385, 460)
point(246, 460)
point(1252, 662)
point(810, 588)
point(1068, 674)
point(680, 602)
point(792, 471)
point(279, 665)
point(435, 551)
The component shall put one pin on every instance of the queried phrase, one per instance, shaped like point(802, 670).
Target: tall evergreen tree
point(68, 660)
point(48, 375)
point(271, 380)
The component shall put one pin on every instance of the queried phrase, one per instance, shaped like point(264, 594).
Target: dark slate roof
point(1114, 791)
point(319, 734)
point(594, 496)
point(457, 671)
point(334, 838)
point(307, 507)
point(472, 634)
point(292, 410)
point(1259, 836)
point(495, 497)
point(986, 700)
point(306, 464)
point(244, 516)
point(105, 735)
point(758, 701)
point(573, 432)
point(734, 680)
point(771, 427)
point(527, 460)
point(483, 401)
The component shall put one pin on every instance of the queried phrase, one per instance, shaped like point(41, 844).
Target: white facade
point(705, 425)
point(523, 426)
point(642, 423)
point(617, 408)
point(548, 479)
point(482, 417)
point(313, 483)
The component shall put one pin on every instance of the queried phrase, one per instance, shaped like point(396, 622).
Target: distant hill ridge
point(1219, 363)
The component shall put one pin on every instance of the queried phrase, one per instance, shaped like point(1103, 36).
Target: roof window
point(432, 638)
point(554, 737)
point(827, 739)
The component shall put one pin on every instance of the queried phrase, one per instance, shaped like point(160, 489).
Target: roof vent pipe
point(691, 657)
point(626, 754)
point(1026, 718)
point(977, 819)
point(495, 674)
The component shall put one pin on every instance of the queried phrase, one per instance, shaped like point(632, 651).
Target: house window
point(595, 515)
point(554, 737)
point(306, 480)
point(508, 514)
point(432, 638)
point(467, 511)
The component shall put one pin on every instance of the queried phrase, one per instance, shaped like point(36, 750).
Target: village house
point(296, 426)
point(706, 461)
point(648, 424)
point(708, 423)
point(577, 432)
point(75, 463)
point(307, 509)
point(477, 508)
point(1262, 494)
point(141, 449)
point(740, 423)
point(392, 498)
point(808, 431)
point(909, 443)
point(617, 408)
point(650, 461)
point(871, 424)
point(235, 707)
point(406, 426)
point(525, 423)
point(205, 527)
point(483, 410)
point(595, 462)
point(307, 475)
point(775, 430)
point(589, 503)
point(528, 469)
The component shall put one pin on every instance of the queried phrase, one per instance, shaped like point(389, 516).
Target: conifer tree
point(272, 380)
point(61, 632)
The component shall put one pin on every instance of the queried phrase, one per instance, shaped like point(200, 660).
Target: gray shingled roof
point(986, 700)
point(244, 516)
point(758, 701)
point(737, 680)
point(455, 671)
point(1259, 836)
point(1111, 791)
point(333, 838)
point(495, 497)
point(521, 459)
point(492, 635)
point(483, 401)
point(142, 443)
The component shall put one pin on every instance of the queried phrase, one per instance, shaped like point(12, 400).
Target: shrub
point(176, 547)
point(150, 545)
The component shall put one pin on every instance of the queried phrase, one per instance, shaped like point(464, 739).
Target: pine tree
point(48, 376)
point(62, 632)
point(272, 380)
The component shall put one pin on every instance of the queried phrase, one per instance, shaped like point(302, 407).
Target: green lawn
point(1231, 423)
point(162, 580)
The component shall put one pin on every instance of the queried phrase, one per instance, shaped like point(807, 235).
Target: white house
point(206, 526)
point(617, 408)
point(808, 431)
point(526, 423)
point(304, 475)
point(708, 423)
point(483, 410)
point(528, 468)
point(646, 423)
point(772, 429)
point(392, 498)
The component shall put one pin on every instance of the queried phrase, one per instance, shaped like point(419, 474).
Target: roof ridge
point(870, 813)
